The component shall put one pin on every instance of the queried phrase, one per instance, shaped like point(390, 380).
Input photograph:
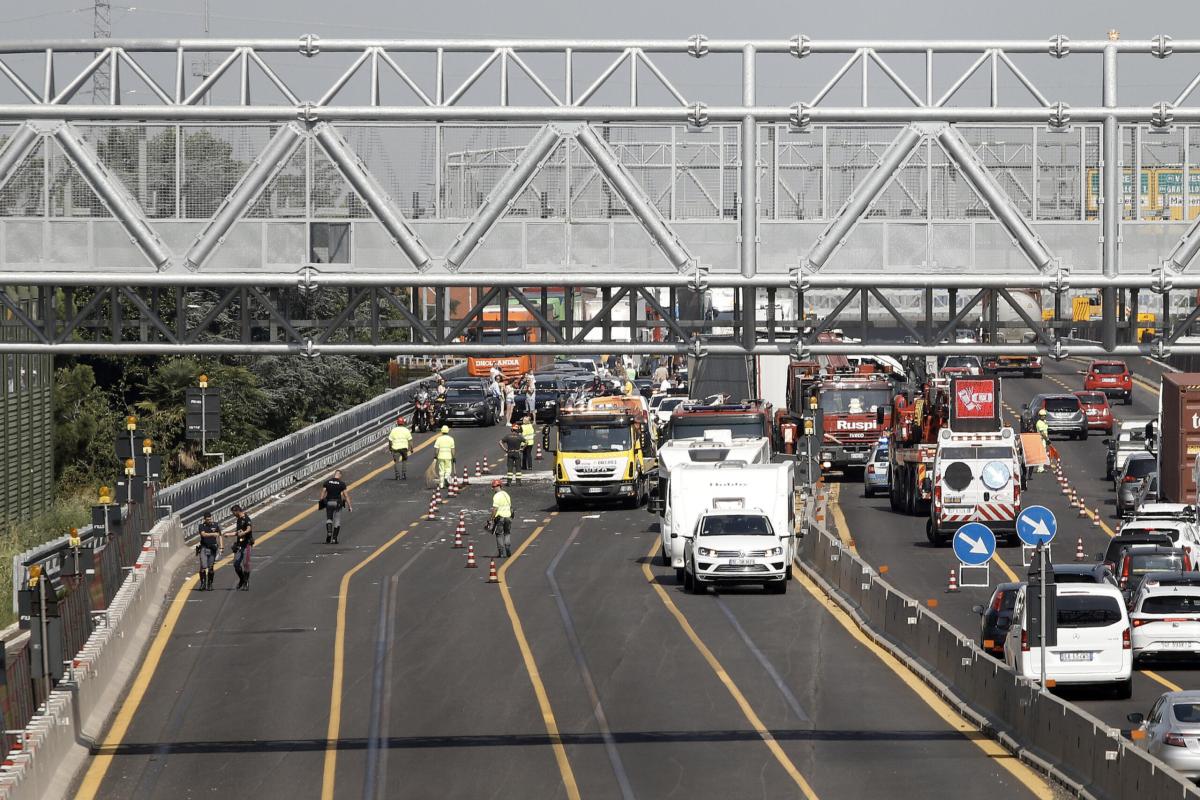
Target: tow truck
point(977, 466)
point(1029, 366)
point(599, 455)
point(916, 423)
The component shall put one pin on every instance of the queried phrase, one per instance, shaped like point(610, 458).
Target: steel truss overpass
point(382, 196)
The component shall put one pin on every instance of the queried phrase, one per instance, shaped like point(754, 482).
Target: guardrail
point(1058, 737)
point(254, 476)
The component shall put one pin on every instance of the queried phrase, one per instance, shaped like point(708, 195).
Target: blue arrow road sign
point(974, 544)
point(1036, 525)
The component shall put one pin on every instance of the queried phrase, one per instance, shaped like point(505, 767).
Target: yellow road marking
point(723, 676)
point(329, 774)
point(835, 492)
point(539, 689)
point(1149, 387)
point(1154, 676)
point(990, 747)
point(137, 690)
point(1005, 568)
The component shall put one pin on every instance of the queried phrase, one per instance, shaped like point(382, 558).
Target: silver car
point(1171, 731)
point(875, 472)
point(1128, 483)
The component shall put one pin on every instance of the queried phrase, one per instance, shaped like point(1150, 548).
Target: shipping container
point(1179, 436)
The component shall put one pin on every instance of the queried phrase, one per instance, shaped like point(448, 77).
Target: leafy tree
point(85, 424)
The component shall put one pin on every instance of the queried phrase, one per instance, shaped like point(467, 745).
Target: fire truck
point(977, 464)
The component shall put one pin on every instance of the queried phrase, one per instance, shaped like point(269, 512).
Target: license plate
point(1178, 645)
point(742, 562)
point(1092, 412)
point(460, 413)
point(1084, 656)
point(857, 456)
point(595, 489)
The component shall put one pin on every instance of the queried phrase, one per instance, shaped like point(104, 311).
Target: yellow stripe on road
point(102, 761)
point(333, 730)
point(723, 676)
point(991, 748)
point(839, 518)
point(1154, 676)
point(539, 688)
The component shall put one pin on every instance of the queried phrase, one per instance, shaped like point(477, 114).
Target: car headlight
point(996, 475)
point(704, 551)
point(775, 551)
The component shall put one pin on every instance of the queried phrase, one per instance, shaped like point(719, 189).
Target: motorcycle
point(422, 412)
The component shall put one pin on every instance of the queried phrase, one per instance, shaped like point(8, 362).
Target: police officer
point(501, 520)
point(399, 443)
point(243, 543)
point(528, 432)
point(335, 495)
point(1042, 427)
point(444, 447)
point(514, 446)
point(208, 550)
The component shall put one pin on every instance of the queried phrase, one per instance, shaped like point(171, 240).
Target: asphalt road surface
point(382, 667)
point(920, 570)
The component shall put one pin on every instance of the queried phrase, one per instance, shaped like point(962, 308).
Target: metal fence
point(1082, 752)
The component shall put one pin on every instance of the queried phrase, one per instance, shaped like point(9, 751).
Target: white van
point(1094, 639)
point(724, 486)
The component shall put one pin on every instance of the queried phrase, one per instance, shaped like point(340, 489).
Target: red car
point(1095, 407)
point(1110, 377)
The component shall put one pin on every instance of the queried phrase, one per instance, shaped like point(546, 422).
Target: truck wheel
point(894, 490)
point(931, 535)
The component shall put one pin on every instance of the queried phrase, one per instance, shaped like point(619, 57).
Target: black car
point(466, 403)
point(996, 618)
point(1084, 573)
point(1112, 554)
point(552, 389)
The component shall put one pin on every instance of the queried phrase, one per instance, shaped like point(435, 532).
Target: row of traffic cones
point(460, 532)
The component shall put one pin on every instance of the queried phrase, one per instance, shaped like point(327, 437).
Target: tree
point(85, 424)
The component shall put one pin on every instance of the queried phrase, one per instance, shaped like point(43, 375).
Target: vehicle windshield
point(1141, 563)
point(853, 401)
point(1087, 611)
point(1061, 405)
point(1093, 398)
point(1140, 467)
point(736, 525)
point(960, 453)
point(1074, 577)
point(472, 394)
point(961, 361)
point(492, 336)
point(687, 426)
point(669, 403)
point(1108, 369)
point(1171, 604)
point(581, 438)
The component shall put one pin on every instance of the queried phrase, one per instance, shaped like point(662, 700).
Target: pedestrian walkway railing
point(1078, 750)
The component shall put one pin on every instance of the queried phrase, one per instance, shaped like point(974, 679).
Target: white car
point(1166, 621)
point(737, 546)
point(1094, 639)
point(665, 407)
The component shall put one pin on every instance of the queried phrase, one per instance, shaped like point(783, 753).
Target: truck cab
point(976, 478)
point(600, 455)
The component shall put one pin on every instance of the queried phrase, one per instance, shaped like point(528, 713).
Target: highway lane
point(886, 538)
point(600, 677)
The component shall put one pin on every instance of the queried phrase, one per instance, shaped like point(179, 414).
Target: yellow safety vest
point(400, 438)
point(445, 447)
point(1042, 428)
point(502, 503)
point(528, 432)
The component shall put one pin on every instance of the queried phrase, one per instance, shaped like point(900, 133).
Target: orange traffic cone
point(1096, 518)
point(466, 477)
point(1082, 509)
point(433, 505)
point(478, 469)
point(487, 468)
point(952, 584)
point(458, 542)
point(471, 556)
point(1079, 556)
point(538, 452)
point(492, 576)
